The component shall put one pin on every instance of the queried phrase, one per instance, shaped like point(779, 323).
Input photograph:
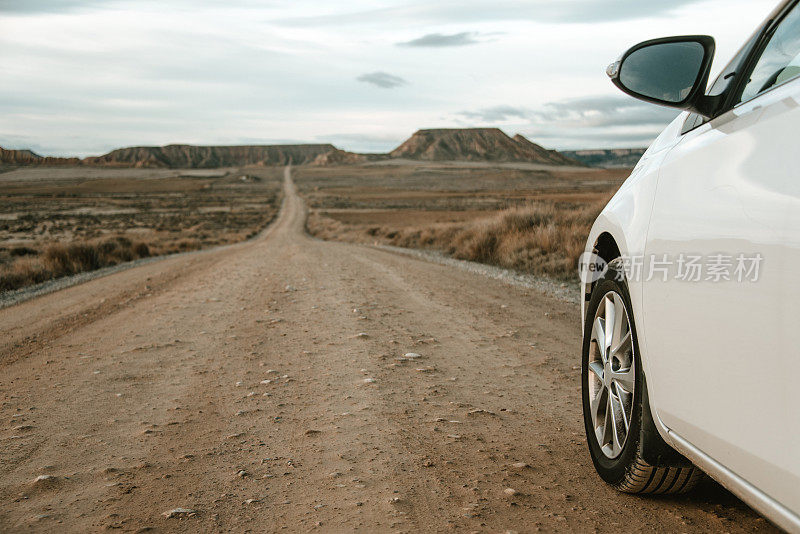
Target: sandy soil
point(263, 387)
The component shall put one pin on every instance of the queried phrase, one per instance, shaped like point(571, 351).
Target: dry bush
point(79, 208)
point(66, 259)
point(539, 238)
point(22, 251)
point(141, 250)
point(533, 238)
point(185, 245)
point(532, 220)
point(22, 272)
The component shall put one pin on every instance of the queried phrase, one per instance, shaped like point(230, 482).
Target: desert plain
point(286, 371)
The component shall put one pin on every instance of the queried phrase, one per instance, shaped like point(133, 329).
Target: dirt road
point(264, 387)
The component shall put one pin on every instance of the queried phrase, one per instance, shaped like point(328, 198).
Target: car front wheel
point(626, 449)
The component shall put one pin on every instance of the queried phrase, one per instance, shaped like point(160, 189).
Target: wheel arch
point(607, 241)
point(654, 437)
point(620, 230)
point(603, 242)
point(606, 247)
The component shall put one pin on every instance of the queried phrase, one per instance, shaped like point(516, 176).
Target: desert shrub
point(61, 259)
point(22, 251)
point(524, 218)
point(478, 243)
point(70, 259)
point(141, 250)
point(23, 272)
point(540, 238)
point(185, 245)
point(115, 249)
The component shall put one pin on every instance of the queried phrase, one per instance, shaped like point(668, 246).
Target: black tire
point(646, 464)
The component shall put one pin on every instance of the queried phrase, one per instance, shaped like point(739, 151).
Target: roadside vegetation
point(535, 238)
point(532, 221)
point(64, 221)
point(29, 267)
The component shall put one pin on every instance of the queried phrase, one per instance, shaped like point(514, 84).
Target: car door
point(721, 300)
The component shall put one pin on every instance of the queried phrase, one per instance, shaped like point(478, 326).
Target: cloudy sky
point(83, 77)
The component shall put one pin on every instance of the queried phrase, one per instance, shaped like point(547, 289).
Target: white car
point(691, 316)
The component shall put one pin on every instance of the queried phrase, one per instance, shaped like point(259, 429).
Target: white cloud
point(83, 77)
point(451, 11)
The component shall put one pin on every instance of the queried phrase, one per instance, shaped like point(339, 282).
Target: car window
point(780, 60)
point(728, 75)
point(723, 81)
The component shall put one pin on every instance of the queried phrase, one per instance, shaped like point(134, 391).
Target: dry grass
point(62, 221)
point(63, 260)
point(534, 222)
point(535, 238)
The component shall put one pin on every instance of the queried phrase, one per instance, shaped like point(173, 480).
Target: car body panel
point(721, 354)
point(776, 512)
point(626, 218)
point(719, 358)
point(627, 214)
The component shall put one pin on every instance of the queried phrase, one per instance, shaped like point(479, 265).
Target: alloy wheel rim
point(612, 376)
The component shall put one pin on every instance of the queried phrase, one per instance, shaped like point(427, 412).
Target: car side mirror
point(672, 72)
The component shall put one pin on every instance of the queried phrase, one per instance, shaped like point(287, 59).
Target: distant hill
point(607, 158)
point(28, 157)
point(455, 144)
point(554, 156)
point(475, 144)
point(203, 157)
point(340, 157)
point(194, 157)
